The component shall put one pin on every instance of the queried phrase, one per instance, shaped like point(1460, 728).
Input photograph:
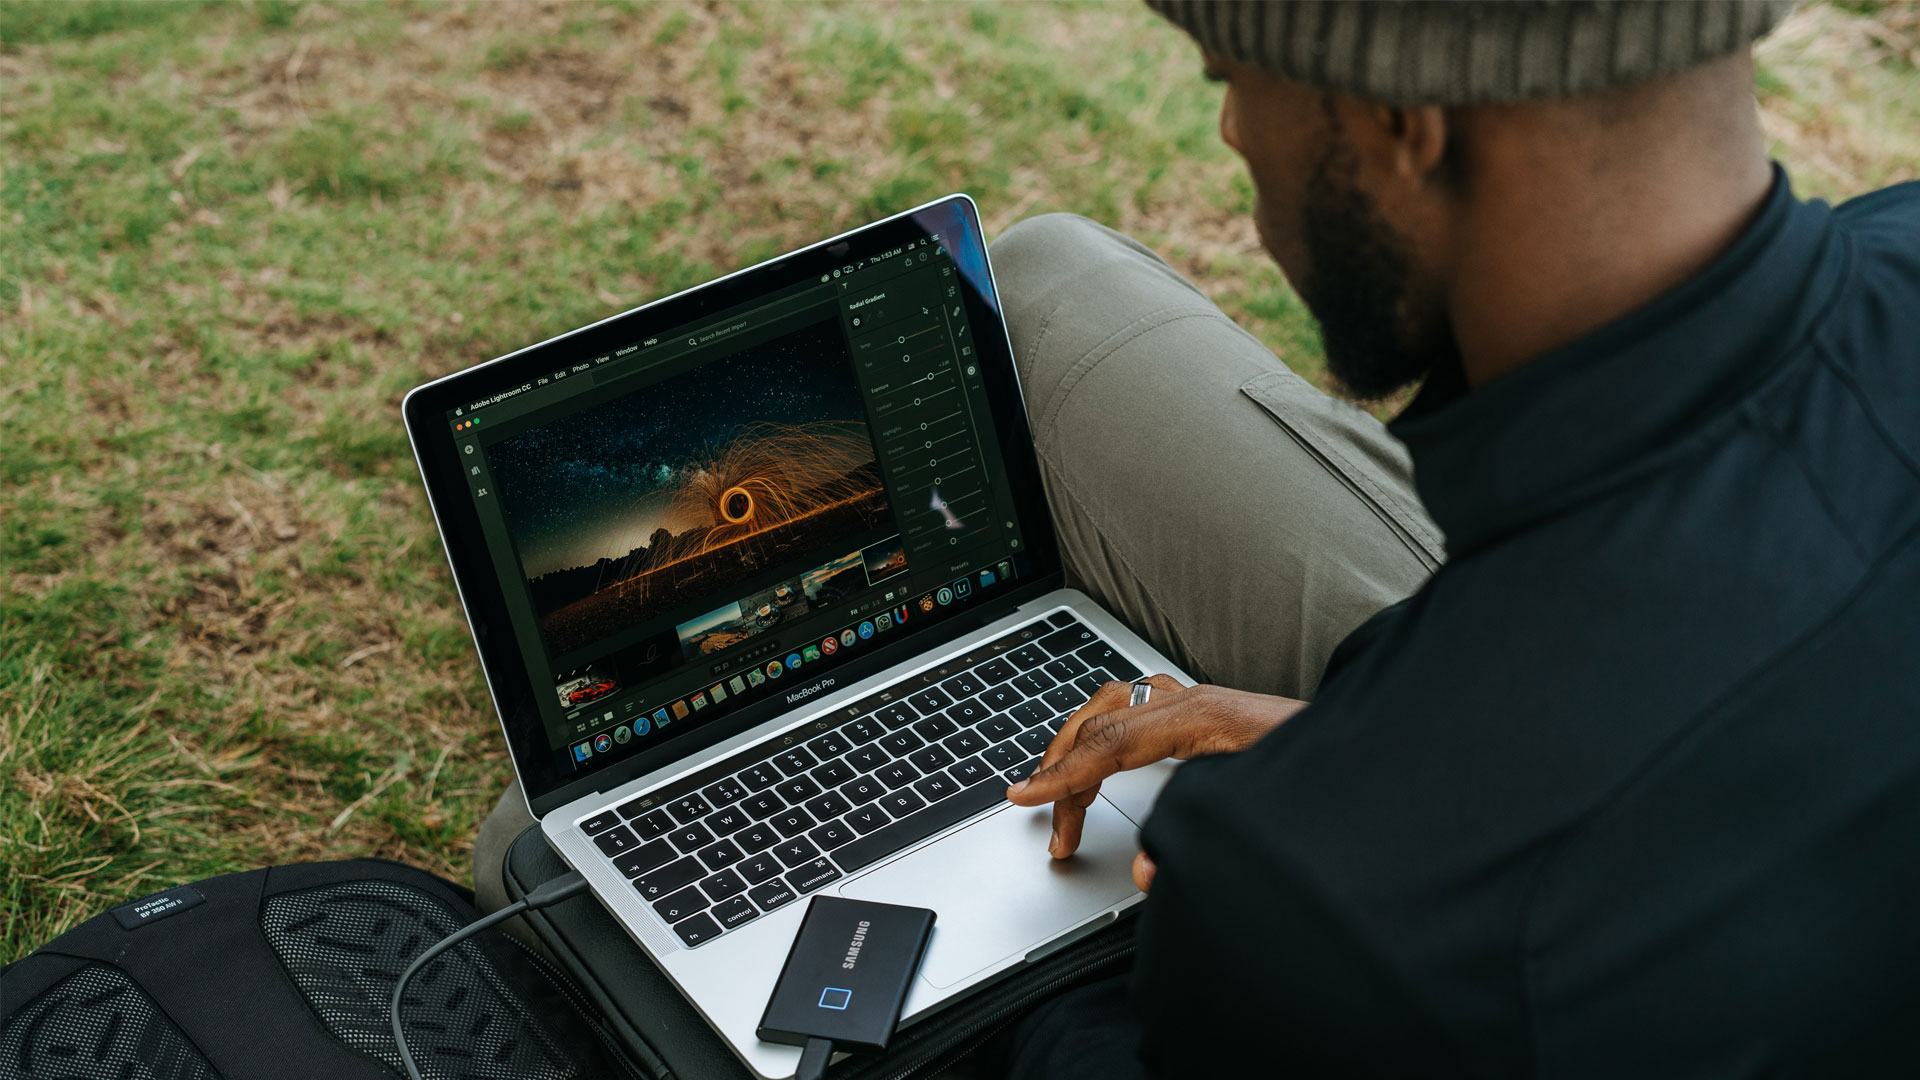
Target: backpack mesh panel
point(345, 944)
point(97, 1024)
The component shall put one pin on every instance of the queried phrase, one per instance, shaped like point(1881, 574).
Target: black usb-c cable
point(561, 888)
point(813, 1059)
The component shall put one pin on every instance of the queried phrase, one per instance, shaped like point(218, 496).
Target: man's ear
point(1409, 143)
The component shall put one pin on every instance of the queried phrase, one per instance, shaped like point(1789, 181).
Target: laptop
point(770, 605)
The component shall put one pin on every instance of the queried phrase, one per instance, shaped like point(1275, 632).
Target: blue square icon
point(835, 998)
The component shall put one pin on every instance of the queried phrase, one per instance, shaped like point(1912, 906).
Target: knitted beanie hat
point(1462, 52)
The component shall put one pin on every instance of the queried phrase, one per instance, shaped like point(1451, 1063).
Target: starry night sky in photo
point(591, 484)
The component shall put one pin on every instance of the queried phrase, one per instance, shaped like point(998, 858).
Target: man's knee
point(1037, 237)
point(1030, 262)
point(1066, 284)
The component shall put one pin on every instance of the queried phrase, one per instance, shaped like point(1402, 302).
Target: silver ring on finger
point(1141, 692)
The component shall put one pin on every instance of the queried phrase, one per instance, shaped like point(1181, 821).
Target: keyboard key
point(652, 826)
point(760, 777)
point(759, 806)
point(969, 712)
point(689, 808)
point(936, 787)
point(1029, 713)
point(721, 854)
point(930, 758)
point(1102, 655)
point(830, 746)
point(966, 743)
point(867, 818)
point(997, 728)
point(734, 912)
point(896, 774)
point(795, 761)
point(1033, 683)
point(1021, 771)
point(996, 671)
point(864, 790)
point(930, 700)
point(758, 868)
point(772, 895)
point(1005, 756)
point(1064, 698)
point(831, 835)
point(864, 730)
point(830, 805)
point(963, 685)
point(798, 789)
point(880, 843)
point(969, 771)
point(937, 726)
point(616, 840)
point(813, 875)
point(898, 715)
point(902, 742)
point(796, 851)
point(1065, 641)
point(722, 885)
point(1061, 619)
point(724, 792)
point(1000, 698)
point(697, 931)
point(756, 838)
point(833, 774)
point(1034, 740)
point(601, 822)
point(725, 822)
point(1091, 682)
point(690, 838)
point(791, 822)
point(1067, 667)
point(901, 803)
point(639, 860)
point(681, 904)
point(1028, 656)
point(670, 878)
point(868, 758)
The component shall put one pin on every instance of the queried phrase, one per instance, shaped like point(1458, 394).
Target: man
point(1629, 786)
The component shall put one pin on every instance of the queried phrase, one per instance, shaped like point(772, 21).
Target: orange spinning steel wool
point(768, 475)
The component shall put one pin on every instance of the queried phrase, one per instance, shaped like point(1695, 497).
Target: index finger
point(1102, 738)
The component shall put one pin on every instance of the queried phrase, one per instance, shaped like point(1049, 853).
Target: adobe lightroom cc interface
point(719, 514)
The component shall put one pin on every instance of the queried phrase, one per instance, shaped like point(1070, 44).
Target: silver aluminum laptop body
point(1001, 900)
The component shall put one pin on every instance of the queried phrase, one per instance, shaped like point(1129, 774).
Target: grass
point(232, 235)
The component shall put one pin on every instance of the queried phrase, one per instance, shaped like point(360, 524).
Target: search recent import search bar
point(717, 333)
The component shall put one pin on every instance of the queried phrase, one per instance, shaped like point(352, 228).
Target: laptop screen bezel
point(955, 219)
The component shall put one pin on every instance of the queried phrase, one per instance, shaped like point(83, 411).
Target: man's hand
point(1106, 736)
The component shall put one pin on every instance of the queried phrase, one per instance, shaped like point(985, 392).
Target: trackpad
point(997, 891)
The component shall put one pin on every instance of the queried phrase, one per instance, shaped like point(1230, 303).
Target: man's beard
point(1355, 288)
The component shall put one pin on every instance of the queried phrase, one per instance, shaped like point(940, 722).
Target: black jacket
point(1632, 786)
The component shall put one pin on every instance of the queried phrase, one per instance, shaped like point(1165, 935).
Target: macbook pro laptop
point(768, 599)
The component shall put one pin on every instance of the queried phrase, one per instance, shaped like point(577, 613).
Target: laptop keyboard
point(756, 832)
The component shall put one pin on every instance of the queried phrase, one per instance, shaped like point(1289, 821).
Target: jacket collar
point(1549, 434)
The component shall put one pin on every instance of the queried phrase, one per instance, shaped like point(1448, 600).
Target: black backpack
point(286, 973)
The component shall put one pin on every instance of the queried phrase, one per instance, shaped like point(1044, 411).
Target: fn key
point(698, 930)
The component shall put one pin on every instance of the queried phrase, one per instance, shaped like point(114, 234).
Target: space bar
point(915, 827)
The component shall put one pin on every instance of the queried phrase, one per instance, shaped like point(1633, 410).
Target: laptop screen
point(719, 512)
